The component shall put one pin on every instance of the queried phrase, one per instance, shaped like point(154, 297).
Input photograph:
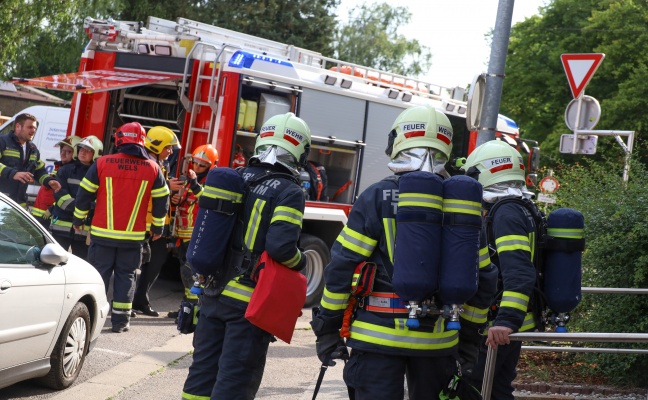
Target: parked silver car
point(52, 303)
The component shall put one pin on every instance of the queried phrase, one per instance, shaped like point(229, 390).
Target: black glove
point(329, 347)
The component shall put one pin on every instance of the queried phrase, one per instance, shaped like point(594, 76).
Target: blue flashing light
point(509, 122)
point(243, 59)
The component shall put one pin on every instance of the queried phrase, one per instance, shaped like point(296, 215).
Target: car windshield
point(20, 239)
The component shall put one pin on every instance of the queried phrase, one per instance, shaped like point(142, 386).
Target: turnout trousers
point(505, 369)
point(150, 271)
point(123, 262)
point(380, 376)
point(229, 353)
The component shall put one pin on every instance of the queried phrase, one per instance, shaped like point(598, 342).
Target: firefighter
point(500, 169)
point(122, 185)
point(384, 350)
point(42, 207)
point(230, 352)
point(20, 160)
point(69, 176)
point(160, 143)
point(203, 159)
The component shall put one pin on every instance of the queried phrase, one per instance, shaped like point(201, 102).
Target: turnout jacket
point(187, 208)
point(514, 245)
point(13, 160)
point(69, 176)
point(272, 222)
point(122, 185)
point(370, 235)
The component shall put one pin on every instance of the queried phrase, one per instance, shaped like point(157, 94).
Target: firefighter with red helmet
point(41, 209)
point(385, 349)
point(160, 142)
point(87, 151)
point(229, 351)
point(122, 185)
point(203, 159)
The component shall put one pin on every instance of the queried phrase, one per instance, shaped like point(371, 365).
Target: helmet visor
point(273, 154)
point(420, 159)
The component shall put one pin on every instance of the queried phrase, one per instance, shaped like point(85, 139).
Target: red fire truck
point(213, 85)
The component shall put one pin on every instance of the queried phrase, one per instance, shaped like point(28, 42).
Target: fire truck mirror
point(534, 159)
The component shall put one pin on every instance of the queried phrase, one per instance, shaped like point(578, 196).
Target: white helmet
point(494, 162)
point(420, 127)
point(92, 142)
point(283, 139)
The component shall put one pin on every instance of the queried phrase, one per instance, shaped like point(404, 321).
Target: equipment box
point(271, 105)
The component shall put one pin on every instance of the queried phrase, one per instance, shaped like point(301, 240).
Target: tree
point(303, 23)
point(370, 38)
point(536, 92)
point(47, 36)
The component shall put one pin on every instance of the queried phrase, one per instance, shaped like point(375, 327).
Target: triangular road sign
point(579, 69)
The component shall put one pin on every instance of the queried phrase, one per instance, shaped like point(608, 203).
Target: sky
point(454, 32)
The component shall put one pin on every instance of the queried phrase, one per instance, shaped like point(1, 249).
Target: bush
point(616, 255)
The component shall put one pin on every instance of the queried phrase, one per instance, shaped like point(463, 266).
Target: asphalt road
point(291, 370)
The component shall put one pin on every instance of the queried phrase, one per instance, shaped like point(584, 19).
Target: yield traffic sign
point(579, 69)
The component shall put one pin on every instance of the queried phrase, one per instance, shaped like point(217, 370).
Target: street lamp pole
point(495, 76)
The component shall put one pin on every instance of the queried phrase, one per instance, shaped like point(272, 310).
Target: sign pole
point(577, 125)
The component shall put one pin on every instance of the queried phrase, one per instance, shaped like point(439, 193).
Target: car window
point(20, 239)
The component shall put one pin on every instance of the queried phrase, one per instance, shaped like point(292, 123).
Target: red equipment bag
point(278, 298)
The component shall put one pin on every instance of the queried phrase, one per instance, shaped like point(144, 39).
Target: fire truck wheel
point(318, 256)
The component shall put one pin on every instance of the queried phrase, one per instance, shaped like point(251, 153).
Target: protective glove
point(329, 347)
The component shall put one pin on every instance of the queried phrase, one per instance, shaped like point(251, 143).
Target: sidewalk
point(159, 373)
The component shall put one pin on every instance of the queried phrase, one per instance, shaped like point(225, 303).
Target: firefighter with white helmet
point(122, 185)
point(272, 219)
point(160, 142)
point(42, 207)
point(203, 159)
point(384, 350)
point(86, 151)
point(500, 169)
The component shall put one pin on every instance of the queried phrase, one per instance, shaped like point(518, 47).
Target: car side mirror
point(53, 254)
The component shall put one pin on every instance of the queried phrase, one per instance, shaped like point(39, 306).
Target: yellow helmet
point(159, 137)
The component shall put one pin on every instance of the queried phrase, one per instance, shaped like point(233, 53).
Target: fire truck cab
point(213, 85)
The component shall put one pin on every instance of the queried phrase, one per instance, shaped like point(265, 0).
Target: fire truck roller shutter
point(317, 257)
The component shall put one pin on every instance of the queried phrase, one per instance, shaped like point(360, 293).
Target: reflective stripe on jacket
point(122, 186)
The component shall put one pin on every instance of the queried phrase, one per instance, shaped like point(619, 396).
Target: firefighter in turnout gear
point(122, 185)
point(160, 142)
point(500, 169)
point(203, 159)
point(229, 351)
point(42, 207)
point(20, 161)
point(69, 176)
point(384, 348)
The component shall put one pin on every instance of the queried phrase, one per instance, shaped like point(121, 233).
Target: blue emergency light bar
point(243, 59)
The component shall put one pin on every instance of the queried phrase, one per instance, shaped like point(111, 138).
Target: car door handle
point(4, 286)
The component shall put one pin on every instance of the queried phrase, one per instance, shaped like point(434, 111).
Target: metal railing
point(491, 356)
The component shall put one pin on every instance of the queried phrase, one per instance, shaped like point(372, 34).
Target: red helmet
point(206, 154)
point(131, 132)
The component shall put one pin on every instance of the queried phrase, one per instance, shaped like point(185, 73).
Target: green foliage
point(303, 23)
point(616, 256)
point(370, 37)
point(51, 42)
point(536, 91)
